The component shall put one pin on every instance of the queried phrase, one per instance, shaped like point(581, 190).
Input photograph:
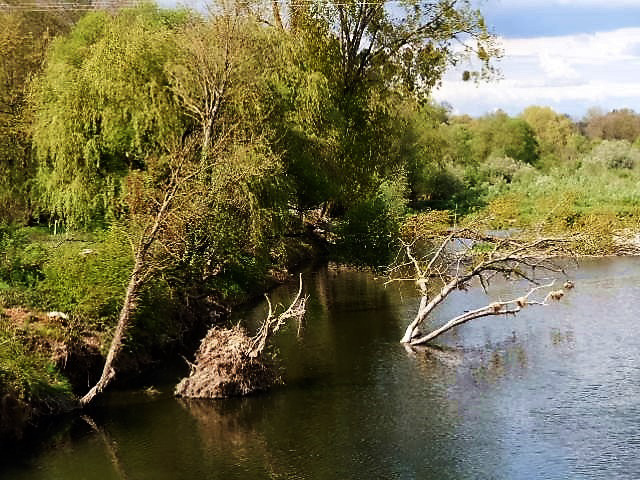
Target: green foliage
point(86, 280)
point(410, 45)
point(156, 320)
point(20, 260)
point(24, 37)
point(371, 228)
point(422, 226)
point(501, 135)
point(503, 169)
point(102, 107)
point(599, 197)
point(557, 136)
point(30, 376)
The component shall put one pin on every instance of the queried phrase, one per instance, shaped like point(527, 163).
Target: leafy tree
point(557, 136)
point(24, 37)
point(373, 58)
point(102, 107)
point(500, 135)
point(412, 42)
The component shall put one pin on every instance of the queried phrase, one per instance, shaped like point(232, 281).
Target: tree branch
point(509, 257)
point(511, 307)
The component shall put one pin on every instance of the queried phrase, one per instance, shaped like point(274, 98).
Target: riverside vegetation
point(196, 157)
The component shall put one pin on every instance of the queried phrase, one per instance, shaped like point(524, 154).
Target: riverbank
point(51, 353)
point(60, 296)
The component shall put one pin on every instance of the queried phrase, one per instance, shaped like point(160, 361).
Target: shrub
point(503, 169)
point(613, 154)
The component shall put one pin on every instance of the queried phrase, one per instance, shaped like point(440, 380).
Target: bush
point(87, 279)
point(370, 229)
point(499, 169)
point(613, 154)
point(20, 261)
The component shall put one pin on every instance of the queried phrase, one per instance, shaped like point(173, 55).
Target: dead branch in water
point(510, 307)
point(274, 322)
point(464, 255)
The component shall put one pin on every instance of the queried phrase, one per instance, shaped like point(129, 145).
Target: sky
point(571, 55)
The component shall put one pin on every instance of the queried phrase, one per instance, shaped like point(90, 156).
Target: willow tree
point(206, 203)
point(176, 223)
point(102, 108)
point(24, 37)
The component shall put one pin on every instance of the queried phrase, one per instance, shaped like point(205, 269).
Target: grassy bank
point(596, 197)
point(60, 296)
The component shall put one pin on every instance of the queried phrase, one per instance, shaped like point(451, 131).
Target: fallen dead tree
point(231, 363)
point(464, 255)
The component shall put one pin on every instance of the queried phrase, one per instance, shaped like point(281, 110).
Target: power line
point(67, 6)
point(77, 6)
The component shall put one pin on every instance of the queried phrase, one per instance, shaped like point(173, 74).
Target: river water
point(551, 394)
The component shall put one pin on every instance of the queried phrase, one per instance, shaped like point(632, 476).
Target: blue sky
point(567, 54)
point(531, 18)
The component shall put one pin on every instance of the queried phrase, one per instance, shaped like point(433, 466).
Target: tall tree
point(557, 136)
point(24, 37)
point(103, 107)
point(202, 202)
point(499, 134)
point(411, 41)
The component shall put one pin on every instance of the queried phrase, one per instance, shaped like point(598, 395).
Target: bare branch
point(467, 259)
point(511, 307)
point(273, 323)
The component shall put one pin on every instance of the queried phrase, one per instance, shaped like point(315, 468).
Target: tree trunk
point(276, 14)
point(127, 311)
point(425, 309)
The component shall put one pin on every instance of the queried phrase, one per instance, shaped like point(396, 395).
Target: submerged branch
point(510, 307)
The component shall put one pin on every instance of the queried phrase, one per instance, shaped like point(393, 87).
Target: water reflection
point(110, 446)
point(233, 424)
point(551, 394)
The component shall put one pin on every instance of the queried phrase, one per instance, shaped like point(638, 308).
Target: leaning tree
point(454, 258)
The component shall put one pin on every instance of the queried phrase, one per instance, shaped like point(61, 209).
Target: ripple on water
point(551, 394)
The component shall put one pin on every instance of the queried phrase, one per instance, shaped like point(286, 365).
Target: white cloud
point(584, 47)
point(556, 68)
point(571, 72)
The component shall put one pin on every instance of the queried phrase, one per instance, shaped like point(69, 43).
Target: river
point(551, 394)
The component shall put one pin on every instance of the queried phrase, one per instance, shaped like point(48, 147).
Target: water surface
point(551, 394)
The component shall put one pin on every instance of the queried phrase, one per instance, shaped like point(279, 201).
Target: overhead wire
point(78, 6)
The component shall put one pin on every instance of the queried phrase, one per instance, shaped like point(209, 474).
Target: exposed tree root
point(224, 368)
point(231, 363)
